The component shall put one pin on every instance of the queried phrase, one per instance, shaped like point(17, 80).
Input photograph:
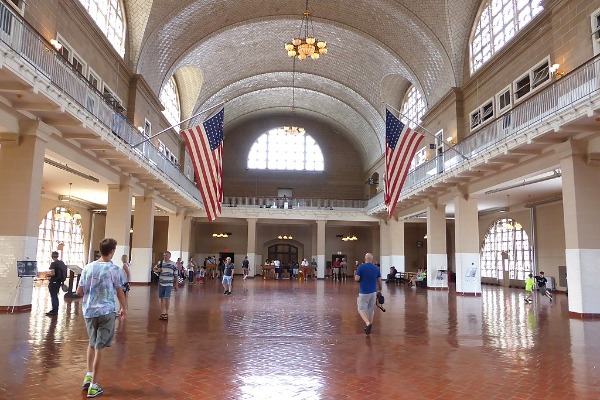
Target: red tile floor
point(304, 340)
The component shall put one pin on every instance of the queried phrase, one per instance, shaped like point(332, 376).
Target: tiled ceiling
point(237, 50)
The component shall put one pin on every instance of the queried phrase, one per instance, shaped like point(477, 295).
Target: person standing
point(369, 279)
point(228, 276)
point(100, 281)
point(245, 267)
point(58, 274)
point(167, 281)
point(191, 270)
point(529, 284)
point(126, 274)
point(343, 270)
point(336, 270)
point(542, 281)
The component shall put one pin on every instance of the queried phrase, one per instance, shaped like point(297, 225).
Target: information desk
point(305, 272)
point(211, 271)
point(268, 271)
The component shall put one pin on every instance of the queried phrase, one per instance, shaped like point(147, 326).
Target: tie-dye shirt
point(100, 281)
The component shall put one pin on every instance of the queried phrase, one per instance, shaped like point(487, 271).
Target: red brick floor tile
point(304, 341)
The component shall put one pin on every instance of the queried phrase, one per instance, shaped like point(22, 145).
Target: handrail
point(286, 203)
point(51, 67)
point(568, 91)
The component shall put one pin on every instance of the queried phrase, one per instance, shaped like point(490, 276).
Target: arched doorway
point(506, 248)
point(283, 252)
point(62, 232)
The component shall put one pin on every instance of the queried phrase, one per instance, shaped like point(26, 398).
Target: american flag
point(205, 145)
point(401, 144)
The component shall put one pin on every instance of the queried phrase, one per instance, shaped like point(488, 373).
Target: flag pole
point(179, 123)
point(450, 147)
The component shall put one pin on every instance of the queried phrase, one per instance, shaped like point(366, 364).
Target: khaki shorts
point(366, 302)
point(101, 330)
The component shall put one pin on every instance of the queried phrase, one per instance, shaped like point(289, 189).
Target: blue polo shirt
point(368, 273)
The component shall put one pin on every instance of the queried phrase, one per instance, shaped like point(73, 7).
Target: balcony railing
point(285, 203)
point(569, 91)
point(54, 69)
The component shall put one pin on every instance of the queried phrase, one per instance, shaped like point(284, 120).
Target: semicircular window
point(279, 150)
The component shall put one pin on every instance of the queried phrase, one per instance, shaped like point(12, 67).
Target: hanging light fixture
point(293, 130)
point(221, 235)
point(306, 45)
point(65, 213)
point(349, 238)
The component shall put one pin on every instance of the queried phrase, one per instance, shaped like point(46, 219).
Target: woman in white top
point(126, 273)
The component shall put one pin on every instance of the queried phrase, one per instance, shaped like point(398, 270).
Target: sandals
point(164, 317)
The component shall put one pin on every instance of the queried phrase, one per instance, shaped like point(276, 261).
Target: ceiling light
point(306, 46)
point(62, 213)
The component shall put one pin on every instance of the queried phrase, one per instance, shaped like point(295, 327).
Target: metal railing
point(569, 91)
point(53, 69)
point(285, 203)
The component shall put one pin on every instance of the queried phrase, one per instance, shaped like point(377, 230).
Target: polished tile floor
point(304, 340)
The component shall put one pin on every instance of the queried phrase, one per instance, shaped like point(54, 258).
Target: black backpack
point(61, 272)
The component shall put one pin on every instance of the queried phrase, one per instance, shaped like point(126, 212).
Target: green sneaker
point(87, 381)
point(94, 390)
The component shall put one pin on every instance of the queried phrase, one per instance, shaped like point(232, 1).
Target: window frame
point(595, 25)
point(73, 55)
point(530, 75)
point(499, 109)
point(486, 7)
point(92, 73)
point(112, 93)
point(489, 104)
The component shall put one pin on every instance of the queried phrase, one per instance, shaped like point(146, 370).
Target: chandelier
point(284, 237)
point(349, 238)
point(65, 213)
point(305, 45)
point(221, 235)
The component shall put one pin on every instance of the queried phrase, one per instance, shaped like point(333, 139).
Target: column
point(251, 248)
point(436, 241)
point(178, 241)
point(466, 228)
point(143, 239)
point(396, 243)
point(581, 191)
point(321, 248)
point(384, 248)
point(21, 170)
point(118, 217)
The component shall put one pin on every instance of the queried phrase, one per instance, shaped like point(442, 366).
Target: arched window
point(283, 151)
point(59, 226)
point(499, 22)
point(108, 15)
point(414, 108)
point(506, 248)
point(169, 97)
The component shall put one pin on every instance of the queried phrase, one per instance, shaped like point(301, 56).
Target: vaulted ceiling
point(227, 50)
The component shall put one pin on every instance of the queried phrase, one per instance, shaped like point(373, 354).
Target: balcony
point(33, 60)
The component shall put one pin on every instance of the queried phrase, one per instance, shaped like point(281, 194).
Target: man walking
point(369, 279)
point(228, 276)
point(100, 281)
point(541, 282)
point(245, 265)
point(167, 281)
point(58, 274)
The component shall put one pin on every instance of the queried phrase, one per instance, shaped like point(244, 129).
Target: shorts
point(227, 280)
point(366, 302)
point(101, 330)
point(164, 292)
point(336, 271)
point(245, 270)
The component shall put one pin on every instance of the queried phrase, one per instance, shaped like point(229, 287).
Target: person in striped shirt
point(167, 281)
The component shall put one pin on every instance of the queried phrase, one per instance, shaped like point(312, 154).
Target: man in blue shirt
point(369, 278)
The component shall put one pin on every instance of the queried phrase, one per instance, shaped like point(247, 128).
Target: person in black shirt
point(58, 273)
point(541, 282)
point(228, 276)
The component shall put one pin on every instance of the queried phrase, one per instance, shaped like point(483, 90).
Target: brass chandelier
point(306, 45)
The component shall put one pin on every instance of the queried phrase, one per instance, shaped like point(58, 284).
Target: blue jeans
point(54, 288)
